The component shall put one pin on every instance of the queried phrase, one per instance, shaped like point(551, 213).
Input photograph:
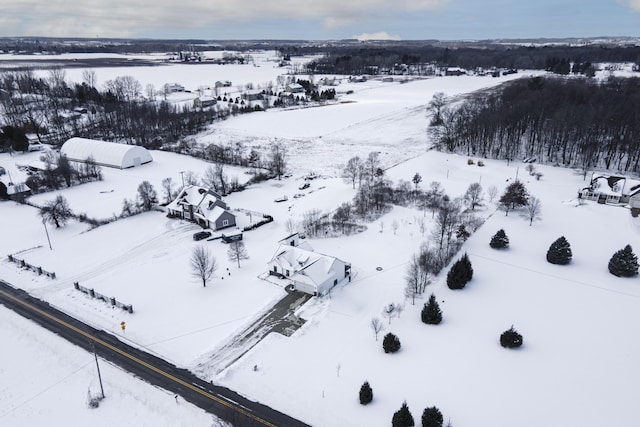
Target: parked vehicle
point(281, 199)
point(201, 235)
point(304, 186)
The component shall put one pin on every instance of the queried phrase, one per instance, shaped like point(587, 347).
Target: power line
point(578, 282)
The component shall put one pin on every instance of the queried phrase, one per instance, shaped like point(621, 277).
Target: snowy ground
point(577, 367)
point(46, 381)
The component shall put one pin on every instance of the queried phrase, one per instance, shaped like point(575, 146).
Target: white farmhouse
point(308, 271)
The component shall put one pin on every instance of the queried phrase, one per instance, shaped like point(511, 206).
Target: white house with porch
point(609, 189)
point(202, 206)
point(308, 271)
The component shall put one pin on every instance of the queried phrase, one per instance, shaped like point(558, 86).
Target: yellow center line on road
point(140, 362)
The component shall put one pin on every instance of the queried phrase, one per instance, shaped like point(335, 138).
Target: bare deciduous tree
point(353, 171)
point(473, 196)
point(89, 77)
point(278, 159)
point(167, 186)
point(377, 326)
point(203, 264)
point(209, 179)
point(492, 192)
point(533, 210)
point(237, 252)
point(147, 196)
point(56, 211)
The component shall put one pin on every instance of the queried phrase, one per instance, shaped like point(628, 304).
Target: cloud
point(633, 4)
point(380, 35)
point(118, 18)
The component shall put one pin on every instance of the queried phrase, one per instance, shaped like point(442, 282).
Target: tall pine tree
point(431, 314)
point(460, 274)
point(624, 263)
point(403, 417)
point(559, 252)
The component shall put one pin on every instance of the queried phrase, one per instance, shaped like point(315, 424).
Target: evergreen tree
point(461, 272)
point(4, 195)
point(432, 417)
point(624, 263)
point(431, 314)
point(391, 343)
point(511, 338)
point(366, 393)
point(499, 240)
point(559, 252)
point(403, 417)
point(514, 196)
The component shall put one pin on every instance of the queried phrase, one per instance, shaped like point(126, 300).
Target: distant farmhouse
point(204, 101)
point(202, 206)
point(109, 154)
point(613, 190)
point(308, 271)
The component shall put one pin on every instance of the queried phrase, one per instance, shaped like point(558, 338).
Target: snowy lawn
point(46, 381)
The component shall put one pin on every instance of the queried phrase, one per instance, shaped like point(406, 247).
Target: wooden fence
point(93, 294)
point(22, 263)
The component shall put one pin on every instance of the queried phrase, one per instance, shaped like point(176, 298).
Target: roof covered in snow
point(105, 153)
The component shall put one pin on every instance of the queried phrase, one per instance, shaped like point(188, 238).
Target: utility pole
point(182, 176)
point(47, 231)
point(93, 347)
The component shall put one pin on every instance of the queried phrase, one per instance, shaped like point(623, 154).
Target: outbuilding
point(109, 154)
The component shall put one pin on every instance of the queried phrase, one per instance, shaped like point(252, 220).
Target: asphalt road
point(220, 401)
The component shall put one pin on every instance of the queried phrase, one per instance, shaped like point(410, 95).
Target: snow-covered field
point(577, 366)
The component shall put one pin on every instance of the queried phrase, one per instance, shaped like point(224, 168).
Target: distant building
point(204, 101)
point(454, 71)
point(174, 87)
point(294, 88)
point(252, 95)
point(109, 154)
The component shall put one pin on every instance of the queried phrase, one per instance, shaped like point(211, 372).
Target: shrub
point(499, 240)
point(624, 263)
point(510, 338)
point(391, 343)
point(432, 417)
point(366, 393)
point(559, 252)
point(460, 274)
point(431, 314)
point(403, 417)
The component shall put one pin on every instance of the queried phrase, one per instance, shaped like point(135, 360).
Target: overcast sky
point(320, 19)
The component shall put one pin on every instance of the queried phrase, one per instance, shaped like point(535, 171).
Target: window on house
point(287, 273)
point(225, 222)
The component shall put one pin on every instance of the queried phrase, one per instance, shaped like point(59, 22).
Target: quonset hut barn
point(109, 154)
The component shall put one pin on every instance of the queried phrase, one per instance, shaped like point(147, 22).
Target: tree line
point(571, 122)
point(358, 59)
point(55, 110)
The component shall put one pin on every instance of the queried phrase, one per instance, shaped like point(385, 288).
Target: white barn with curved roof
point(110, 154)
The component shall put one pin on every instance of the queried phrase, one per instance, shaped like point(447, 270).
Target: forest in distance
point(576, 122)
